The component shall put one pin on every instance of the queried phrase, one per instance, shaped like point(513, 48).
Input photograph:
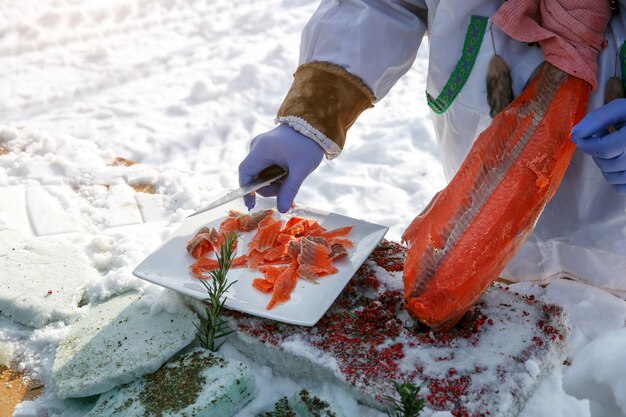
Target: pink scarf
point(570, 32)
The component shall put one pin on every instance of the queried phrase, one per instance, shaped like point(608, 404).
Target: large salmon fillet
point(473, 227)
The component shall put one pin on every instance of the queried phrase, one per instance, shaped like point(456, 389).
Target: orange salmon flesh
point(471, 229)
point(301, 249)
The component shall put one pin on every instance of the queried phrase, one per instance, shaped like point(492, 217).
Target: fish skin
point(465, 237)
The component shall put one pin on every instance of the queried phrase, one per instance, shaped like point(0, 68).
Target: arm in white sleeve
point(374, 40)
point(352, 53)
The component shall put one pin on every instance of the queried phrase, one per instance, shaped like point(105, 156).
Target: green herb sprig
point(214, 327)
point(408, 405)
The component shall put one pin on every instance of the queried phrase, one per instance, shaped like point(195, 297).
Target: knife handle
point(271, 172)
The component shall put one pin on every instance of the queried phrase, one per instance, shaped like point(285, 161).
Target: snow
point(181, 87)
point(595, 376)
point(532, 368)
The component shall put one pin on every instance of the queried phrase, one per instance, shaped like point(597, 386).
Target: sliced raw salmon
point(284, 238)
point(205, 265)
point(254, 259)
point(334, 233)
point(303, 227)
point(275, 253)
point(263, 285)
point(315, 258)
point(312, 272)
point(345, 243)
point(266, 235)
point(248, 222)
point(230, 223)
point(201, 244)
point(276, 261)
point(314, 253)
point(293, 249)
point(284, 285)
point(293, 221)
point(271, 272)
point(301, 248)
point(337, 250)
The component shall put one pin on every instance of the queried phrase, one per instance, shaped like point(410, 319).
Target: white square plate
point(168, 266)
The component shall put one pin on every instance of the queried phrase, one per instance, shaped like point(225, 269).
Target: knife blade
point(265, 177)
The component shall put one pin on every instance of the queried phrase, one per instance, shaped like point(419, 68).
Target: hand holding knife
point(265, 177)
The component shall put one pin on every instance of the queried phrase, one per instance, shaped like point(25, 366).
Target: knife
point(265, 177)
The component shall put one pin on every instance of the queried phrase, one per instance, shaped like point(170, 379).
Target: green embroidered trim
point(622, 62)
point(473, 40)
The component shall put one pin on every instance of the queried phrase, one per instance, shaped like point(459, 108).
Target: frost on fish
point(366, 341)
point(472, 228)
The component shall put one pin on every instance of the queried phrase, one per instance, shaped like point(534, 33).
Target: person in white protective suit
point(353, 52)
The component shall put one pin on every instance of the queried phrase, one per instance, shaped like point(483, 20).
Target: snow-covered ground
point(182, 86)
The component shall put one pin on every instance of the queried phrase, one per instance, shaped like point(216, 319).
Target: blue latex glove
point(285, 147)
point(591, 135)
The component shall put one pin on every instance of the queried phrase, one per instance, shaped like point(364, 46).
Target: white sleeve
point(375, 40)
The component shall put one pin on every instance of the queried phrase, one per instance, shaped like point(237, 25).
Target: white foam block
point(198, 383)
point(115, 343)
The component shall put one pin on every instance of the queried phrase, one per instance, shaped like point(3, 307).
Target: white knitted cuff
point(331, 149)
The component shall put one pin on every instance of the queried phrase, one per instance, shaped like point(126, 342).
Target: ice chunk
point(123, 209)
point(6, 354)
point(151, 207)
point(198, 383)
point(41, 280)
point(12, 210)
point(51, 209)
point(117, 342)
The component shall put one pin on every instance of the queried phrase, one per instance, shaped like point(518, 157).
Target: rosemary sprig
point(213, 327)
point(408, 405)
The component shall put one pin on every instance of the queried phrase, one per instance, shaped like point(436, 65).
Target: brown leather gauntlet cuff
point(323, 102)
